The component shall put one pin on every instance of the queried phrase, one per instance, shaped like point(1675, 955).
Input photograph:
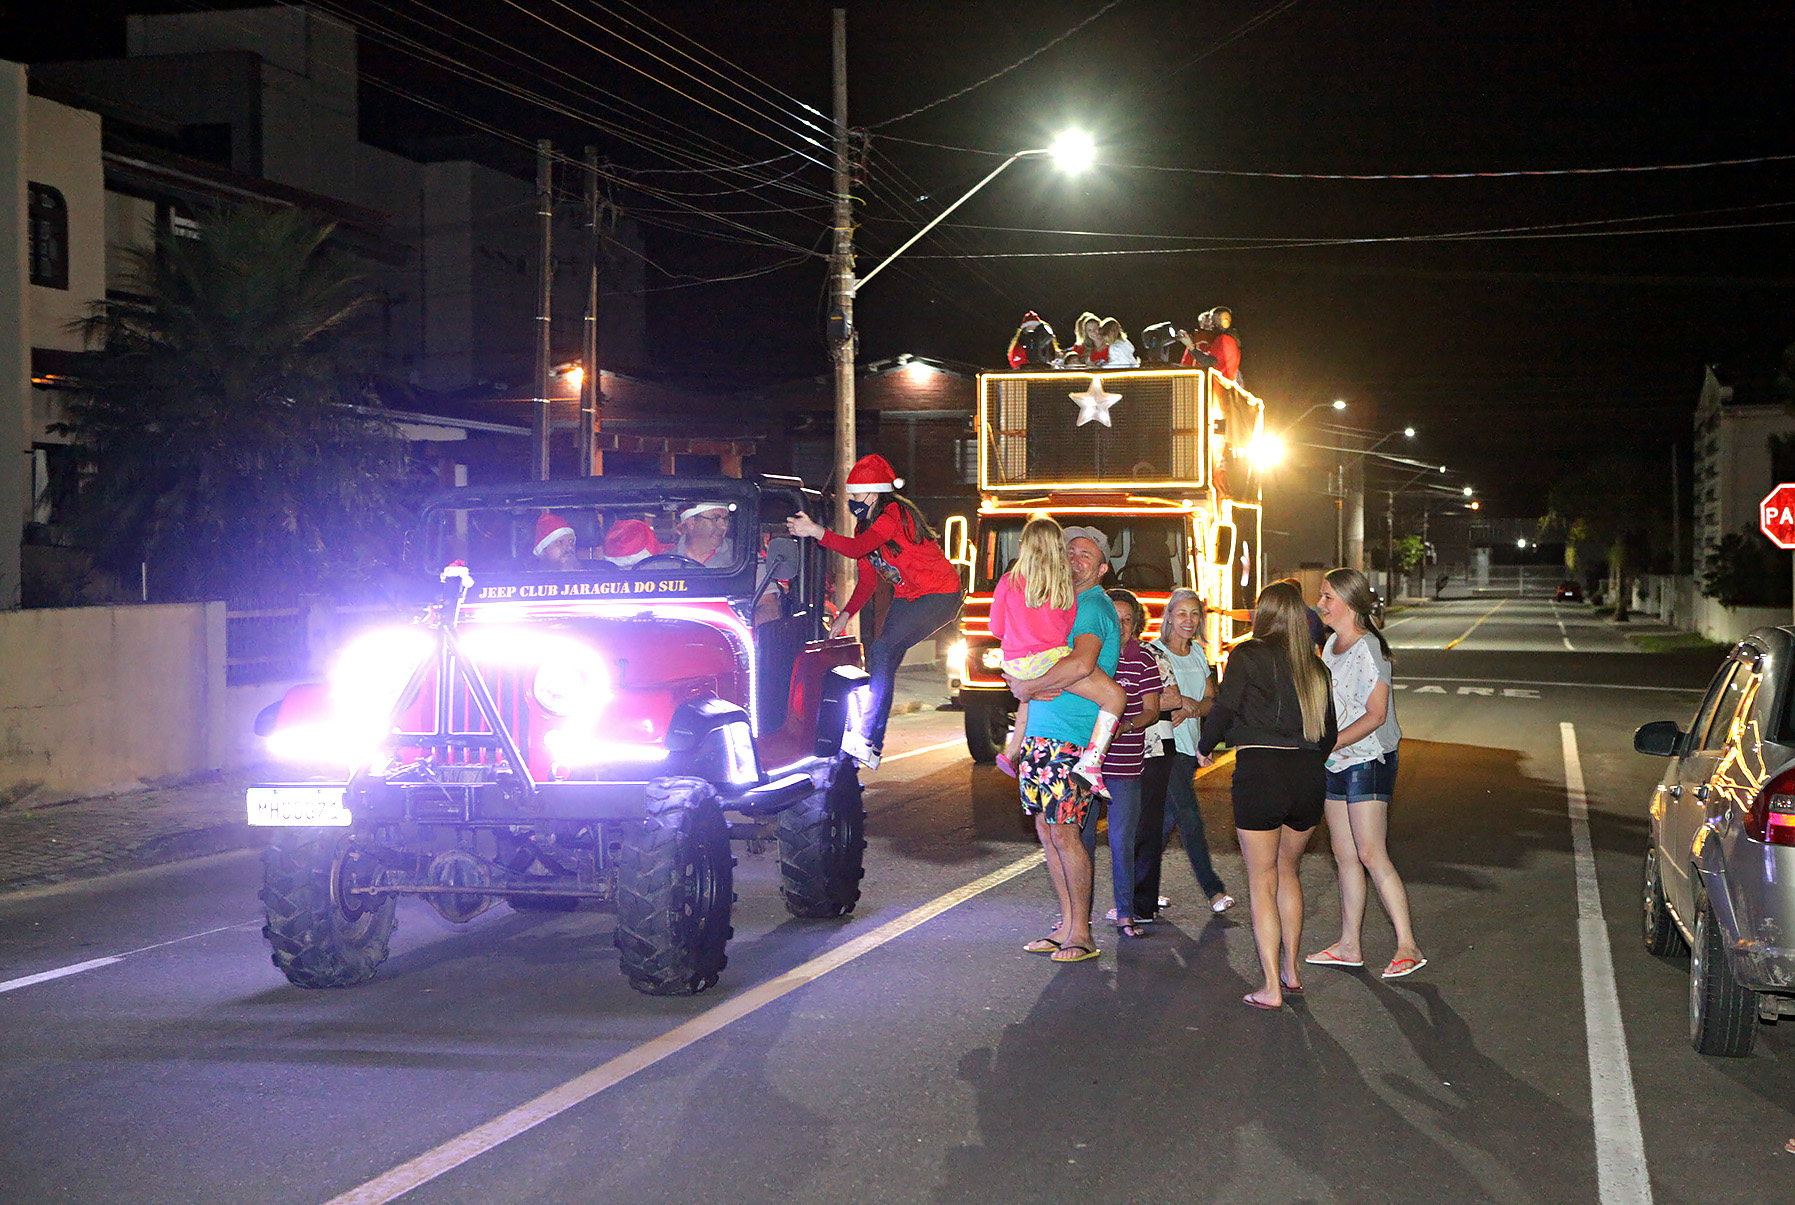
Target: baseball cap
point(1089, 533)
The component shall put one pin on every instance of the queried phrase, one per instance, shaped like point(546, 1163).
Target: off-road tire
point(675, 886)
point(987, 725)
point(1723, 1016)
point(317, 939)
point(822, 847)
point(1657, 926)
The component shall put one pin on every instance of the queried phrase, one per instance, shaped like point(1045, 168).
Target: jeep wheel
point(1722, 1015)
point(987, 725)
point(674, 891)
point(822, 843)
point(322, 936)
point(1660, 930)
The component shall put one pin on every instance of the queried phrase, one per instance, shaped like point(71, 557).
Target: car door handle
point(1701, 792)
point(1675, 792)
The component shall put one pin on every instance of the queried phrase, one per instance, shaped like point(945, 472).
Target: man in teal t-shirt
point(1059, 726)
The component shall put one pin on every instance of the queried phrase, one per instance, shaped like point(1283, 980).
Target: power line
point(998, 74)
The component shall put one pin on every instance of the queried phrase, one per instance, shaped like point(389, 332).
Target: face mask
point(860, 510)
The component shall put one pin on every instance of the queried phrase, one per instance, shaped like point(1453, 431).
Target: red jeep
point(592, 716)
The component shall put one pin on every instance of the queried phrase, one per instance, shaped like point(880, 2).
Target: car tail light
point(1772, 815)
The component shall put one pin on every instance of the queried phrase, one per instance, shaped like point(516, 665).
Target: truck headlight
point(991, 658)
point(956, 659)
point(573, 682)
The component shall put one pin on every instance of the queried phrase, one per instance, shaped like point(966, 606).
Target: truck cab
point(1155, 458)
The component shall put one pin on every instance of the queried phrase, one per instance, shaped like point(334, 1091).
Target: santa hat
point(700, 508)
point(1030, 319)
point(873, 475)
point(550, 528)
point(629, 541)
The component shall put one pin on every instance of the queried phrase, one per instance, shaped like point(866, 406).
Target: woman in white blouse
point(1361, 773)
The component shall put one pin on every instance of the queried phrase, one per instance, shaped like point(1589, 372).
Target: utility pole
point(591, 459)
point(545, 214)
point(1390, 546)
point(841, 319)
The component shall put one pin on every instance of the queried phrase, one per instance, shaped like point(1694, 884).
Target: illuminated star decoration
point(1094, 403)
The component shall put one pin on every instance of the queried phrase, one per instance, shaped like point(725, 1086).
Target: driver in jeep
point(704, 534)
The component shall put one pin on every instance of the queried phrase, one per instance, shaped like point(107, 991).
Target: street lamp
point(1336, 404)
point(1073, 151)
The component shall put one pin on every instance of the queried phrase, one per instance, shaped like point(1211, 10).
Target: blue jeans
point(907, 622)
point(1181, 809)
point(1124, 817)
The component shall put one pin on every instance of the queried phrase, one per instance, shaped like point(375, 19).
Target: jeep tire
point(1658, 927)
point(822, 847)
point(675, 886)
point(1723, 1016)
point(321, 936)
point(987, 724)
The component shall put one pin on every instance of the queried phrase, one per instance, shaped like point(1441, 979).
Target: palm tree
point(225, 423)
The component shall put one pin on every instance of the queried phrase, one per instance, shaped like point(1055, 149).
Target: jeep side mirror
point(1660, 738)
point(784, 559)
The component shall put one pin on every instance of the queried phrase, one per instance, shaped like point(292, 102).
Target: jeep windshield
point(1147, 552)
point(596, 537)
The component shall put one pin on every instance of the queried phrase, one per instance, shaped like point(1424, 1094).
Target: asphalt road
point(509, 1060)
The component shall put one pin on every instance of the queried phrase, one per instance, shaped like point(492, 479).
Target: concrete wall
point(62, 150)
point(98, 699)
point(15, 336)
point(1678, 601)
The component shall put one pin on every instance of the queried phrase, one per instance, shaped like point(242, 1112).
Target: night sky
point(1514, 356)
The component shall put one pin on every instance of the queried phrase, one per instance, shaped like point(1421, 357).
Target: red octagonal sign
point(1776, 515)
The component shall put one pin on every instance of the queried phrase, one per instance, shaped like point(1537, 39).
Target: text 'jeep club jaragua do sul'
point(595, 731)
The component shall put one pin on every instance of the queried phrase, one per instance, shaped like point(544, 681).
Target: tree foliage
point(224, 423)
point(1746, 570)
point(1409, 551)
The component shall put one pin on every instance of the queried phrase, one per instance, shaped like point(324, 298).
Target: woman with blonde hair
point(1089, 350)
point(1031, 616)
point(1361, 773)
point(1276, 711)
point(1118, 351)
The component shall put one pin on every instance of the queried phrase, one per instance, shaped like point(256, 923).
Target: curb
point(226, 837)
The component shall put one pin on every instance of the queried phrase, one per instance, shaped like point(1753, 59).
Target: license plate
point(298, 806)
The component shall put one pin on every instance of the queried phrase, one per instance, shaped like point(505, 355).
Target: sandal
point(1006, 765)
point(1042, 945)
point(1128, 928)
point(1221, 902)
point(1074, 953)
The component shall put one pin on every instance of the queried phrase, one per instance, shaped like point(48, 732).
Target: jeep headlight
point(572, 682)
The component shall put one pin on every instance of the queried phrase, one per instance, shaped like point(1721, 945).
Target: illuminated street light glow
point(1074, 151)
point(1265, 451)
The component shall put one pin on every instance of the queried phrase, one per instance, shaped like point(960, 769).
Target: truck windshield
point(690, 534)
point(1146, 552)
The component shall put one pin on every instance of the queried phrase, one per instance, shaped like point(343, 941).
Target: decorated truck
point(612, 679)
point(1155, 458)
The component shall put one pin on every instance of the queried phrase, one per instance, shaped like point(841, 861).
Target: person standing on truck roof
point(1034, 345)
point(1218, 349)
point(891, 540)
point(1089, 351)
point(1058, 724)
point(1118, 352)
point(1031, 616)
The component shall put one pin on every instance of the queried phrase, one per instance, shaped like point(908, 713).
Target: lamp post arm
point(938, 218)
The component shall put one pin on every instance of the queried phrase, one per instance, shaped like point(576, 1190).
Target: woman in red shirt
point(891, 540)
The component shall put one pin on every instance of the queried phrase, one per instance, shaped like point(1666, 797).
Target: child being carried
point(1031, 616)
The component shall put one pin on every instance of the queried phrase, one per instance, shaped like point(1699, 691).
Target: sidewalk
point(84, 838)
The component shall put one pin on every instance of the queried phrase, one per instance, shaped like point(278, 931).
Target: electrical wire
point(1037, 52)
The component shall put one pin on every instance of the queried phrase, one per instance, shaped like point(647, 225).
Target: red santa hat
point(549, 528)
point(873, 475)
point(629, 541)
point(1030, 319)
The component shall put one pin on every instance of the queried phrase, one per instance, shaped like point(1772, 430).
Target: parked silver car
point(1720, 866)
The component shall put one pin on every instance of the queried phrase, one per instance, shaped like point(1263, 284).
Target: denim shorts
point(1368, 782)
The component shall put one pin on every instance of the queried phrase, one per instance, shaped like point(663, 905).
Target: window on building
point(47, 228)
point(966, 461)
point(182, 225)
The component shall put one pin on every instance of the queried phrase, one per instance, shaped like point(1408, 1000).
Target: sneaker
point(1164, 902)
point(856, 747)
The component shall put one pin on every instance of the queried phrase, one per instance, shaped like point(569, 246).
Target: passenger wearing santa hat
point(555, 544)
point(704, 534)
point(1034, 345)
point(630, 541)
point(891, 540)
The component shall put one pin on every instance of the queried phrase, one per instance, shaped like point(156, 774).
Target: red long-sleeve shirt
point(1226, 350)
point(916, 569)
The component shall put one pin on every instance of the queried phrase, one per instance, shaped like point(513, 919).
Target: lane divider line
point(94, 964)
point(482, 1138)
point(1674, 690)
point(1478, 624)
point(1621, 1176)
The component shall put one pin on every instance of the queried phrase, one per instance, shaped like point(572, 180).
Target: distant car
point(1719, 876)
point(1568, 592)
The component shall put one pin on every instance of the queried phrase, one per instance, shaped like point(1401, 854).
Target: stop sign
point(1776, 515)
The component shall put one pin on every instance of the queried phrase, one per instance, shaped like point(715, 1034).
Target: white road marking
point(1621, 1176)
point(94, 964)
point(921, 751)
point(1675, 690)
point(477, 1141)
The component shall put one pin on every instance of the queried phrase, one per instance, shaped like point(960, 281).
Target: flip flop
point(1327, 958)
point(1042, 945)
point(1006, 765)
point(1291, 989)
point(1252, 1003)
point(1086, 952)
point(1130, 929)
point(1221, 903)
point(1403, 966)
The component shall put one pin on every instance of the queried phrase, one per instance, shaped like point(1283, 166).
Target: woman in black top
point(1276, 711)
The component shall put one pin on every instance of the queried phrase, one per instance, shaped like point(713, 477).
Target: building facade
point(1736, 462)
